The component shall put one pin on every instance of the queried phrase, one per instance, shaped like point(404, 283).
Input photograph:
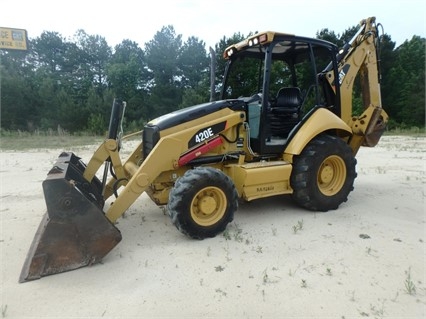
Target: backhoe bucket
point(74, 232)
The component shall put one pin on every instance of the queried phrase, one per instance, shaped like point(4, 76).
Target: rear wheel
point(323, 174)
point(202, 202)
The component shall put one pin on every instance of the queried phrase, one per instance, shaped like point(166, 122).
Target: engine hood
point(193, 112)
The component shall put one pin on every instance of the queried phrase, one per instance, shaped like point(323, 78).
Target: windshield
point(291, 62)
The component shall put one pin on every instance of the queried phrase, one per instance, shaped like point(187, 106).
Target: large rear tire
point(202, 202)
point(323, 174)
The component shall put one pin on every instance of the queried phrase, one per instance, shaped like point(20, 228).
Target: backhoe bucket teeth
point(74, 232)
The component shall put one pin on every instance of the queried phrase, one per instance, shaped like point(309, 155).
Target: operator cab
point(279, 77)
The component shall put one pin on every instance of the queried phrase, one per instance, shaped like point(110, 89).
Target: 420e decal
point(206, 133)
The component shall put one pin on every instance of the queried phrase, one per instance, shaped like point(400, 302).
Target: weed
point(292, 273)
point(378, 312)
point(3, 311)
point(410, 287)
point(298, 226)
point(304, 284)
point(237, 235)
point(396, 297)
point(219, 268)
point(381, 170)
point(229, 233)
point(265, 276)
point(226, 234)
point(220, 291)
point(266, 279)
point(329, 273)
point(370, 251)
point(228, 258)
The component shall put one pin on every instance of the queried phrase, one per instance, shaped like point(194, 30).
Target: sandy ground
point(362, 260)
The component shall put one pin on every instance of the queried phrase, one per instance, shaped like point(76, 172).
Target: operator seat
point(285, 113)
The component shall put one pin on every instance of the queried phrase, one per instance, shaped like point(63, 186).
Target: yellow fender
point(320, 121)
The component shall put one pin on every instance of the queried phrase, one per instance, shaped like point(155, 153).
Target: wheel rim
point(331, 175)
point(208, 206)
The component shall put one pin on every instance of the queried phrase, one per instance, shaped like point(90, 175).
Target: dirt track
point(354, 262)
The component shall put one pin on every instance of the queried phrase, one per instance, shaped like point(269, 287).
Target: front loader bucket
point(74, 232)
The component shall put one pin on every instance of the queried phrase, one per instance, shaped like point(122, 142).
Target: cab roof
point(286, 44)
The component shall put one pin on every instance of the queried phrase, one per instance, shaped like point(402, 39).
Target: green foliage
point(193, 97)
point(161, 54)
point(194, 64)
point(220, 62)
point(134, 126)
point(126, 71)
point(404, 87)
point(71, 83)
point(96, 123)
point(16, 110)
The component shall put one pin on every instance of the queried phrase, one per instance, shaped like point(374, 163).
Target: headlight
point(253, 41)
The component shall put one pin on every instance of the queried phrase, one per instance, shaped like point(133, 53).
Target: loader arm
point(107, 150)
point(156, 162)
point(170, 154)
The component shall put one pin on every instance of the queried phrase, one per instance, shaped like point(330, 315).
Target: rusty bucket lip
point(46, 255)
point(24, 276)
point(74, 232)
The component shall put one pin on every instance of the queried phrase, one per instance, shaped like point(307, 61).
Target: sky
point(209, 21)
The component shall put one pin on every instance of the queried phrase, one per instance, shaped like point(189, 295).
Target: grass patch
point(413, 131)
point(298, 226)
point(21, 140)
point(27, 141)
point(410, 287)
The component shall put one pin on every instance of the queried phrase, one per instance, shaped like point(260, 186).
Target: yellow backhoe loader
point(284, 124)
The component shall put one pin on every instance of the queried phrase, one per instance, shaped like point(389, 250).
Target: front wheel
point(202, 202)
point(323, 174)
